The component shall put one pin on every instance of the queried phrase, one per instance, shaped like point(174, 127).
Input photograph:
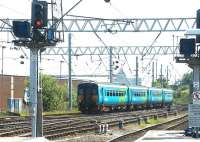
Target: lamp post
point(2, 55)
point(61, 69)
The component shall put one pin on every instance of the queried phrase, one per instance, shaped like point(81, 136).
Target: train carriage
point(138, 97)
point(98, 97)
point(93, 97)
point(87, 96)
point(155, 97)
point(167, 97)
point(112, 96)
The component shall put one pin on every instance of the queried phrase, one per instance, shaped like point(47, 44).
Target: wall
point(19, 85)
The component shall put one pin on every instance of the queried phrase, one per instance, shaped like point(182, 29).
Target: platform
point(22, 139)
point(166, 136)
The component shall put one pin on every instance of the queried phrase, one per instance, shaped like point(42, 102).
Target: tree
point(160, 83)
point(53, 95)
point(186, 79)
point(182, 91)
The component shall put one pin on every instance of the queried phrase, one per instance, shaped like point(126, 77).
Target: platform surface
point(22, 139)
point(166, 136)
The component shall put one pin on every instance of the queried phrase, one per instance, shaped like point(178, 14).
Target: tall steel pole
point(161, 75)
point(110, 65)
point(61, 6)
point(34, 88)
point(2, 60)
point(39, 101)
point(136, 72)
point(2, 79)
point(167, 75)
point(152, 74)
point(61, 69)
point(156, 70)
point(69, 71)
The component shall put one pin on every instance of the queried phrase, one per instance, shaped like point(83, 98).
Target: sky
point(98, 8)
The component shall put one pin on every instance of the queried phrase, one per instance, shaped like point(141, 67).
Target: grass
point(3, 114)
point(184, 98)
point(25, 113)
point(61, 112)
point(150, 121)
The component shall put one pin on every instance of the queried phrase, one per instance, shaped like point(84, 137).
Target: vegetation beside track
point(182, 93)
point(74, 111)
point(54, 94)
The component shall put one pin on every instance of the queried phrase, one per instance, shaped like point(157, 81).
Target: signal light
point(39, 14)
point(22, 29)
point(38, 23)
point(198, 25)
point(187, 47)
point(107, 0)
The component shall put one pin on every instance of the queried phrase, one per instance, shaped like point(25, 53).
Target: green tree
point(182, 90)
point(160, 83)
point(53, 95)
point(187, 78)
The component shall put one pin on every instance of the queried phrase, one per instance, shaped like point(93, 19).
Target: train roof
point(167, 90)
point(156, 89)
point(112, 85)
point(138, 87)
point(103, 84)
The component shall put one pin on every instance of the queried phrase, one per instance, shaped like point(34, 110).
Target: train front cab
point(137, 97)
point(87, 97)
point(155, 98)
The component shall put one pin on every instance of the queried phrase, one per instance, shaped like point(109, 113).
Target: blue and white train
point(99, 97)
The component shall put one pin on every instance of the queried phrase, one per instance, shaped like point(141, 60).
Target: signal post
point(36, 37)
point(189, 48)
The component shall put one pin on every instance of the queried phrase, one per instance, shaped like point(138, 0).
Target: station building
point(13, 87)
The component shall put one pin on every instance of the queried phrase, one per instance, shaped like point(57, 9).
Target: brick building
point(14, 86)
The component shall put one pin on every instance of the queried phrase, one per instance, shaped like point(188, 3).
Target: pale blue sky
point(98, 8)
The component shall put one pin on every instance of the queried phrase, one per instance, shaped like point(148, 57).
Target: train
point(96, 97)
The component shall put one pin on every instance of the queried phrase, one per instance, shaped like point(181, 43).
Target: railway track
point(169, 125)
point(93, 126)
point(64, 125)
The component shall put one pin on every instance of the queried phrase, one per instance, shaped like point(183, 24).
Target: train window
point(81, 92)
point(157, 93)
point(114, 93)
point(121, 93)
point(107, 93)
point(111, 93)
point(94, 91)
